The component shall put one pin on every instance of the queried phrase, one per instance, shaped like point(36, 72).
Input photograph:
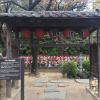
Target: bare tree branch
point(30, 3)
point(49, 5)
point(9, 2)
point(59, 4)
point(34, 4)
point(19, 5)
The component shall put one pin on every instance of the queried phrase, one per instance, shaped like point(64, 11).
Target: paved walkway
point(53, 87)
point(62, 90)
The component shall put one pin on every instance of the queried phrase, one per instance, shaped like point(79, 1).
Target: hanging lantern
point(39, 33)
point(26, 34)
point(66, 33)
point(85, 33)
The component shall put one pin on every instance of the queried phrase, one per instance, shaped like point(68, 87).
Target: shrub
point(86, 65)
point(69, 68)
point(86, 68)
point(64, 69)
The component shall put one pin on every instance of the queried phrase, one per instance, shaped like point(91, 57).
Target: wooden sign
point(13, 69)
point(10, 69)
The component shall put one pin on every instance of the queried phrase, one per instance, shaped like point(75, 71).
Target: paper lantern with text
point(85, 33)
point(66, 33)
point(26, 33)
point(39, 33)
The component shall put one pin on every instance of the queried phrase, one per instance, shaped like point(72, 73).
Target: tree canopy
point(96, 4)
point(38, 5)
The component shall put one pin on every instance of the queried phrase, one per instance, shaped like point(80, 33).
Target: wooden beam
point(46, 22)
point(59, 45)
point(98, 41)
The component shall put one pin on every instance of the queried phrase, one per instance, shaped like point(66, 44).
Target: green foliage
point(86, 65)
point(86, 70)
point(73, 51)
point(53, 52)
point(96, 4)
point(69, 68)
point(1, 50)
point(75, 38)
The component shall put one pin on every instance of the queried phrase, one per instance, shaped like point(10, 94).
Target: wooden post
point(15, 54)
point(9, 56)
point(34, 50)
point(98, 41)
point(90, 56)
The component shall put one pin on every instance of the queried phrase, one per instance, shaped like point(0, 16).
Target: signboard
point(10, 69)
point(13, 69)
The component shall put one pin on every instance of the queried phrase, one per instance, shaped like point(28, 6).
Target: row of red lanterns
point(26, 33)
point(39, 33)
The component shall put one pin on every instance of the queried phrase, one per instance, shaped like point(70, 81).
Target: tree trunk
point(9, 56)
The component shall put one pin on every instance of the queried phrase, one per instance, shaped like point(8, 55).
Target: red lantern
point(39, 33)
point(85, 33)
point(26, 34)
point(66, 33)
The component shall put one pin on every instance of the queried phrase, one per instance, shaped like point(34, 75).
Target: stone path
point(44, 88)
point(69, 90)
point(53, 96)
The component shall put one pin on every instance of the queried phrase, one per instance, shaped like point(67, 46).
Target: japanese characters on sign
point(10, 69)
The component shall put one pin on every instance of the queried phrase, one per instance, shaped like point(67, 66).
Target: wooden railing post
point(98, 41)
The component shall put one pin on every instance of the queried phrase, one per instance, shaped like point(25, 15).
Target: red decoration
point(85, 33)
point(66, 33)
point(26, 34)
point(39, 33)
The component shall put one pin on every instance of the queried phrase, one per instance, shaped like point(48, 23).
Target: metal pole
point(22, 80)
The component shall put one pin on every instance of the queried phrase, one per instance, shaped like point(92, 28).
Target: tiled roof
point(52, 14)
